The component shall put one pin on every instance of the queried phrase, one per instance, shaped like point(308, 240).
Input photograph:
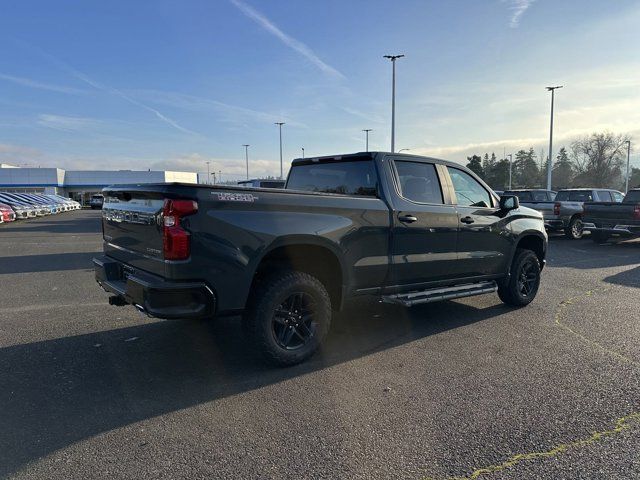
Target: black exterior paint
point(235, 228)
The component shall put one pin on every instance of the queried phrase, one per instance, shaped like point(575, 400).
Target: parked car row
point(564, 211)
point(18, 206)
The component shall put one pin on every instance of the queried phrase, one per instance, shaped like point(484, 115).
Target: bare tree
point(598, 159)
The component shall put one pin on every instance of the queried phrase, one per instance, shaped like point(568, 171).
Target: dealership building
point(80, 184)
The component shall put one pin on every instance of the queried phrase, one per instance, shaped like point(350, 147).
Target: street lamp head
point(393, 57)
point(553, 88)
point(279, 123)
point(367, 130)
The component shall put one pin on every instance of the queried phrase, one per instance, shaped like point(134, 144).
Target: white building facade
point(81, 184)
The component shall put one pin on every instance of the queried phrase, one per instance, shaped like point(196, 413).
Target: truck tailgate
point(609, 213)
point(132, 228)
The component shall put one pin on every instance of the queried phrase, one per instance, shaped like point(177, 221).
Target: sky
point(174, 84)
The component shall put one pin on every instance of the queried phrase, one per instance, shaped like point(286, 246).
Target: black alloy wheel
point(293, 324)
point(529, 277)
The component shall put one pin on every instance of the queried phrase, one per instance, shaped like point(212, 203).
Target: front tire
point(575, 229)
point(522, 285)
point(288, 317)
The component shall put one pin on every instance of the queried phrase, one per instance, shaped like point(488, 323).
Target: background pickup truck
point(536, 199)
point(568, 209)
point(404, 228)
point(604, 220)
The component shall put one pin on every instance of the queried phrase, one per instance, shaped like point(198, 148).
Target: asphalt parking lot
point(460, 389)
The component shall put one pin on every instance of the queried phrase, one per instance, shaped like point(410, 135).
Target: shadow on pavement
point(585, 254)
point(57, 392)
point(71, 226)
point(628, 278)
point(46, 262)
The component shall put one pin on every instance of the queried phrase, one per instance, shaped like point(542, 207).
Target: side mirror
point(509, 202)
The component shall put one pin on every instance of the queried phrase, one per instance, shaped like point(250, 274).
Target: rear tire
point(288, 317)
point(521, 287)
point(575, 229)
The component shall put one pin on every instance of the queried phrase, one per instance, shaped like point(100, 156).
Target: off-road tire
point(510, 290)
point(574, 231)
point(268, 295)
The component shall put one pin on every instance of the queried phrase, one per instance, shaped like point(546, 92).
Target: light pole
point(246, 157)
point(393, 59)
point(280, 127)
point(208, 181)
point(510, 163)
point(214, 178)
point(302, 151)
point(626, 184)
point(549, 164)
point(219, 176)
point(366, 137)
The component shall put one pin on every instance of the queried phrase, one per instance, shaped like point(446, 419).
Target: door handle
point(467, 220)
point(407, 218)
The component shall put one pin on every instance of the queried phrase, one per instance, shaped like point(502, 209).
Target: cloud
point(119, 93)
point(18, 154)
point(517, 7)
point(232, 169)
point(115, 92)
point(289, 41)
point(371, 117)
point(231, 113)
point(66, 123)
point(27, 82)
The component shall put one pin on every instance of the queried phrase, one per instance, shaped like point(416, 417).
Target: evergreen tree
point(500, 175)
point(475, 165)
point(562, 174)
point(525, 169)
point(488, 166)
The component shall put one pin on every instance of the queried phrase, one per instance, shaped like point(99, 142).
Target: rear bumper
point(619, 229)
point(154, 295)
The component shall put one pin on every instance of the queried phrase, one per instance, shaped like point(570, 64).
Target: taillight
point(176, 244)
point(556, 208)
point(636, 212)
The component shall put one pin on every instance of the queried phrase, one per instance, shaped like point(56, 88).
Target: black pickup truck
point(404, 228)
point(605, 220)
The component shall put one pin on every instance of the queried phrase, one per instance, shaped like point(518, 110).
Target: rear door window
point(469, 192)
point(604, 196)
point(419, 182)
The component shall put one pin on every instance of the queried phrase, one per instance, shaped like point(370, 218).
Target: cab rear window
point(345, 177)
point(632, 197)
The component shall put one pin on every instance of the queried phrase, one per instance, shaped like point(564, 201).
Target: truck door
point(424, 227)
point(483, 246)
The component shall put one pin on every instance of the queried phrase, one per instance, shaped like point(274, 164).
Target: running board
point(438, 294)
